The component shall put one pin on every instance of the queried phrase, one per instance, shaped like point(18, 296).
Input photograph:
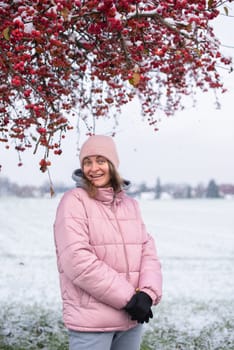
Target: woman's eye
point(101, 161)
point(87, 163)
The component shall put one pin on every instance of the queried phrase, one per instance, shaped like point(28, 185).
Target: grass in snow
point(176, 326)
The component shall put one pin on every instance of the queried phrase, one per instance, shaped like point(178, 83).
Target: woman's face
point(96, 170)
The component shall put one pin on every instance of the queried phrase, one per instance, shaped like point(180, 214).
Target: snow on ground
point(195, 240)
point(27, 256)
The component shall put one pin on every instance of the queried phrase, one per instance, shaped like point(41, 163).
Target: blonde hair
point(116, 181)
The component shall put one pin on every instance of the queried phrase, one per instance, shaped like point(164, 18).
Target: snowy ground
point(195, 240)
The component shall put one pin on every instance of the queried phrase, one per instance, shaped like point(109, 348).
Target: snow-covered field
point(195, 240)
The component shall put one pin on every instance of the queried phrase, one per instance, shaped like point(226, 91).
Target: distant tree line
point(175, 190)
point(9, 188)
point(158, 191)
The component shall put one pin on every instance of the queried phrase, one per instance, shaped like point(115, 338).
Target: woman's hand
point(139, 307)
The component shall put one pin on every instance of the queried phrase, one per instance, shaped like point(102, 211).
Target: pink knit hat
point(100, 145)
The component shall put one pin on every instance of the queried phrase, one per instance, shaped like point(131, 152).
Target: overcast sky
point(193, 146)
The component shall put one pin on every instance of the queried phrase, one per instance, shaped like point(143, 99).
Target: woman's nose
point(94, 166)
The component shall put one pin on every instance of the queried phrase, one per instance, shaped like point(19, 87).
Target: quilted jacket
point(103, 254)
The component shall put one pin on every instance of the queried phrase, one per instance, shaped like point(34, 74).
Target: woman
point(110, 275)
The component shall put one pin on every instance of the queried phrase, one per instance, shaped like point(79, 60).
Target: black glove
point(147, 317)
point(139, 307)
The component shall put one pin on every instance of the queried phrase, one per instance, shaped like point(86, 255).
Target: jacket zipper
point(124, 246)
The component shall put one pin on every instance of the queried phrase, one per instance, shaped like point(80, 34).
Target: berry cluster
point(63, 58)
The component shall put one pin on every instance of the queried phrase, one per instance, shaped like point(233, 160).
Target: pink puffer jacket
point(104, 253)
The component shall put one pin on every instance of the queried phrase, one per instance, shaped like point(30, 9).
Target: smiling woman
point(99, 161)
point(110, 275)
point(96, 170)
point(100, 172)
